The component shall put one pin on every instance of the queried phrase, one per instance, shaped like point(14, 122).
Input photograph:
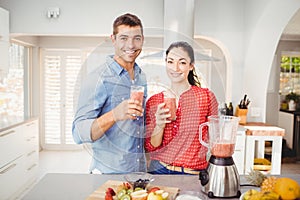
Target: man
point(106, 116)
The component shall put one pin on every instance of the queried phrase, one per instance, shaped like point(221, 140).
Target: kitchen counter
point(80, 186)
point(7, 122)
point(295, 112)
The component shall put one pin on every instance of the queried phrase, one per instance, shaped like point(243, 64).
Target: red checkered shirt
point(180, 145)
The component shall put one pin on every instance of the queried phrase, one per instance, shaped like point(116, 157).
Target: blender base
point(221, 178)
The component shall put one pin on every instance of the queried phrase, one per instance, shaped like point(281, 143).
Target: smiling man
point(106, 117)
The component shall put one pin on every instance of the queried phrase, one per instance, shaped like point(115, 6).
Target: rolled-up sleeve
point(90, 102)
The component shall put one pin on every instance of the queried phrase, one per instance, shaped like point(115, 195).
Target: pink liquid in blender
point(222, 150)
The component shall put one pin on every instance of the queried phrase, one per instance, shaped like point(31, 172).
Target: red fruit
point(153, 189)
point(110, 191)
point(108, 196)
point(126, 185)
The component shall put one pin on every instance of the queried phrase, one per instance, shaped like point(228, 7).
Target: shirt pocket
point(116, 99)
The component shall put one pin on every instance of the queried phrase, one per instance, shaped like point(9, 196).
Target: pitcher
point(222, 132)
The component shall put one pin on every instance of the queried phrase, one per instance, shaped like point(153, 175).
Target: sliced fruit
point(249, 194)
point(153, 196)
point(139, 195)
point(165, 195)
point(121, 193)
point(125, 197)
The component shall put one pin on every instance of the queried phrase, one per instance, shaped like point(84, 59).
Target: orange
point(287, 188)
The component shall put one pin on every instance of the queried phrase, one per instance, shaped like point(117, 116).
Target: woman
point(174, 145)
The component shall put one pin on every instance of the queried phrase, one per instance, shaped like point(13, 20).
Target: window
point(290, 73)
point(14, 86)
point(60, 71)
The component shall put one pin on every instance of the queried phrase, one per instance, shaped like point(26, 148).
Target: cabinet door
point(286, 121)
point(11, 178)
point(11, 142)
point(4, 57)
point(4, 25)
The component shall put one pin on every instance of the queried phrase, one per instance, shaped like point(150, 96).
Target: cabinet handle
point(31, 167)
point(7, 133)
point(32, 152)
point(8, 168)
point(30, 124)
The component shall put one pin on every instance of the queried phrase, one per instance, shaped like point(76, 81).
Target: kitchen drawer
point(30, 130)
point(12, 178)
point(31, 165)
point(12, 142)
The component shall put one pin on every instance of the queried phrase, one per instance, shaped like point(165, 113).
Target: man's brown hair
point(126, 19)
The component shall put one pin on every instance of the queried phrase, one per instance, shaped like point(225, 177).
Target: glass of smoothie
point(170, 101)
point(137, 93)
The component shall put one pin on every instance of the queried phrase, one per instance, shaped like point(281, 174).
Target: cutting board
point(99, 194)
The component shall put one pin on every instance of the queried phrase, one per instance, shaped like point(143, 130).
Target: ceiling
point(292, 30)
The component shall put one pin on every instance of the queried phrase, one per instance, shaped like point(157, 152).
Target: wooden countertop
point(263, 129)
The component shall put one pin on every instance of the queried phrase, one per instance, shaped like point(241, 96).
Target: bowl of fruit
point(139, 180)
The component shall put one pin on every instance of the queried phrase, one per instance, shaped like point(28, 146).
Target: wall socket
point(255, 112)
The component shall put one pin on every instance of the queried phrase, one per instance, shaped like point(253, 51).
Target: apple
point(153, 189)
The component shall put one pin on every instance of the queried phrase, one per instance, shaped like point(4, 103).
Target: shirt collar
point(117, 68)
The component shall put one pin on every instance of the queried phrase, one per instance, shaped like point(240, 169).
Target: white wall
point(245, 28)
point(262, 37)
point(78, 17)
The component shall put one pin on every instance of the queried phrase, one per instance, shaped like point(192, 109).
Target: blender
point(220, 178)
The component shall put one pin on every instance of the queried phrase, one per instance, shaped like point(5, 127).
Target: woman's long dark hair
point(192, 76)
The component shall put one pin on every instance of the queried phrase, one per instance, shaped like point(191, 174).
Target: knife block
point(242, 114)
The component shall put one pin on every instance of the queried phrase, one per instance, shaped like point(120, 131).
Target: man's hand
point(128, 109)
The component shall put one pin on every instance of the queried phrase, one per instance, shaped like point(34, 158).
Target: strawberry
point(110, 191)
point(108, 196)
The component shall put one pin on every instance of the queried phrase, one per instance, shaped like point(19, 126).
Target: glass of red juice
point(137, 93)
point(170, 101)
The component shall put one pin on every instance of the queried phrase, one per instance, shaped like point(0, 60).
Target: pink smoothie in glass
point(222, 150)
point(137, 95)
point(171, 104)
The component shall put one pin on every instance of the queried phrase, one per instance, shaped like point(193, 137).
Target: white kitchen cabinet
point(4, 57)
point(239, 151)
point(4, 24)
point(286, 121)
point(4, 42)
point(19, 158)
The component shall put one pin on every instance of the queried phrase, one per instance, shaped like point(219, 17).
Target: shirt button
point(138, 132)
point(175, 126)
point(138, 146)
point(137, 160)
point(123, 98)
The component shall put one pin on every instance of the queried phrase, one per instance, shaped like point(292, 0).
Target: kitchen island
point(80, 186)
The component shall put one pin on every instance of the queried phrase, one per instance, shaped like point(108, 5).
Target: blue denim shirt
point(121, 148)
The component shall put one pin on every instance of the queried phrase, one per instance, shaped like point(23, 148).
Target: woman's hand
point(162, 114)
